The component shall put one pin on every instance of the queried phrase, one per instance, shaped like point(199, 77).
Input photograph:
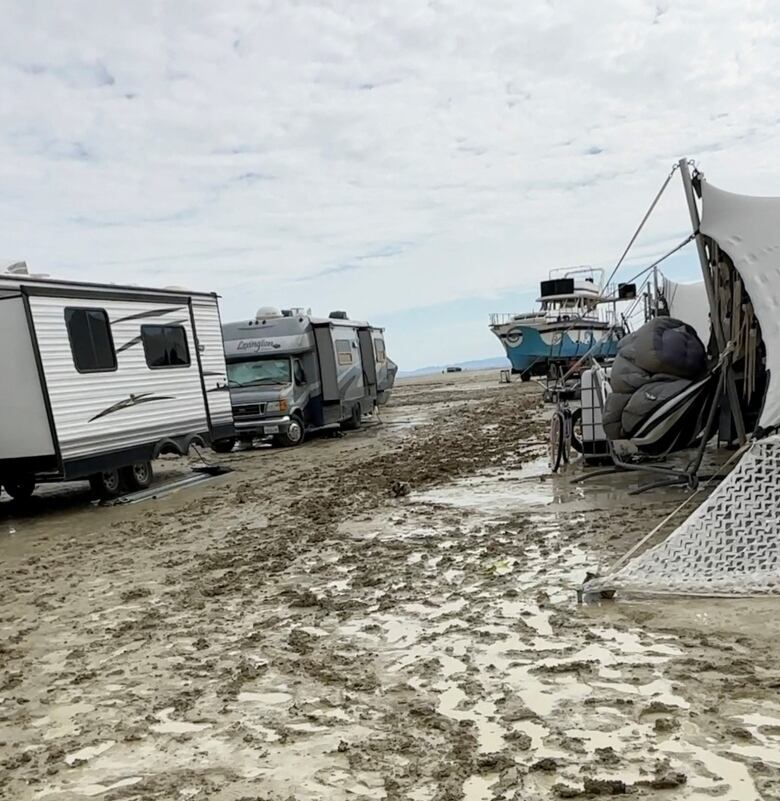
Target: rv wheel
point(19, 488)
point(223, 445)
point(293, 436)
point(137, 476)
point(107, 484)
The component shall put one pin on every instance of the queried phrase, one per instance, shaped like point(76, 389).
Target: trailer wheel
point(223, 445)
point(555, 445)
point(293, 436)
point(107, 484)
point(20, 488)
point(355, 419)
point(137, 476)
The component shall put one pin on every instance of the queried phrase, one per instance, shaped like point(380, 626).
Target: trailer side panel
point(24, 423)
point(133, 404)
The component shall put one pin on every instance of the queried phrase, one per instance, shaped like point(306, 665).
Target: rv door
point(326, 357)
point(211, 358)
point(26, 429)
point(368, 359)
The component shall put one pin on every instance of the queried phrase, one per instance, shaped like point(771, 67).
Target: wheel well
point(179, 446)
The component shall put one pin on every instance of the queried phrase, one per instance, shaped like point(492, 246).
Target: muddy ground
point(390, 614)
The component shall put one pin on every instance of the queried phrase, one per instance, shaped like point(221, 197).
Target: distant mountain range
point(476, 364)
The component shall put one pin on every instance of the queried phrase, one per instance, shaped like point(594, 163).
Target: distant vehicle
point(454, 369)
point(100, 379)
point(291, 373)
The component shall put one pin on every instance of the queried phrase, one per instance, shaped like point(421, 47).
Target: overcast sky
point(415, 163)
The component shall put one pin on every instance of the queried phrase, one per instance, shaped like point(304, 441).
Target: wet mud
point(385, 615)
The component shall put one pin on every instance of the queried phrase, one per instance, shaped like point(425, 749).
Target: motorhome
point(291, 373)
point(100, 379)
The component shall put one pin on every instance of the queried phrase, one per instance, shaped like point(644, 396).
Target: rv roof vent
point(267, 311)
point(174, 288)
point(338, 315)
point(17, 268)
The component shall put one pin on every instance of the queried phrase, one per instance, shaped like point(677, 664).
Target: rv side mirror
point(300, 376)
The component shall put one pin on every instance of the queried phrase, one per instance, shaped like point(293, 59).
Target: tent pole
point(717, 324)
point(656, 290)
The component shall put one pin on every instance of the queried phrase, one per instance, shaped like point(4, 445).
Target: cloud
point(343, 154)
point(362, 262)
point(75, 74)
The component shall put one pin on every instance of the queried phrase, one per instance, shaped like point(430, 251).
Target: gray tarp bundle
point(653, 364)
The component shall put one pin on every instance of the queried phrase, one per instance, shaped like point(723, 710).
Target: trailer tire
point(137, 476)
point(293, 436)
point(20, 488)
point(526, 376)
point(107, 484)
point(223, 445)
point(355, 419)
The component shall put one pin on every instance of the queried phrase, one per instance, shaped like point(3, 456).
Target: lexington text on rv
point(101, 379)
point(290, 373)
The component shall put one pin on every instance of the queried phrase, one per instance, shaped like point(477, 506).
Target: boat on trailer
point(574, 318)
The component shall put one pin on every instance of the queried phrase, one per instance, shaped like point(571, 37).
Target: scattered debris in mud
point(387, 615)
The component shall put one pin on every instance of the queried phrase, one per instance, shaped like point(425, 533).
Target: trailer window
point(91, 344)
point(379, 350)
point(344, 351)
point(165, 346)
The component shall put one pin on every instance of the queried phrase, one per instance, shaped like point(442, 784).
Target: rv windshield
point(254, 372)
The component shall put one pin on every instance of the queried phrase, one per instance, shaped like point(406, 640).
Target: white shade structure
point(730, 545)
point(748, 229)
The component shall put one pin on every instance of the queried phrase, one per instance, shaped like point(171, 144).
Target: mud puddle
point(574, 700)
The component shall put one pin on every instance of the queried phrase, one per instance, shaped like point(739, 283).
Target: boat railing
point(590, 272)
point(502, 318)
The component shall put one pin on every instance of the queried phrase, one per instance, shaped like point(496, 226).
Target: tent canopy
point(748, 229)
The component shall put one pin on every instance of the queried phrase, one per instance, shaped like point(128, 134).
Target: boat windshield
point(577, 304)
point(258, 372)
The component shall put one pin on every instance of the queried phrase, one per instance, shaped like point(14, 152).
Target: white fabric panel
point(728, 546)
point(748, 229)
point(688, 302)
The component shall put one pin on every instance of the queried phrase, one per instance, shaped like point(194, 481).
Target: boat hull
point(530, 349)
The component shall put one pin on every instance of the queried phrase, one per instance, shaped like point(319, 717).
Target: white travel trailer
point(291, 373)
point(99, 380)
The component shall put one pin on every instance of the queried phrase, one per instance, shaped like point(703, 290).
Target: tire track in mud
point(384, 616)
point(162, 632)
